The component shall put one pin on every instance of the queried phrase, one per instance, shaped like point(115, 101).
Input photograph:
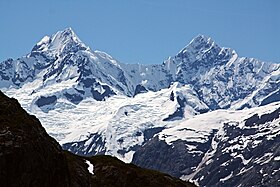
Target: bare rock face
point(174, 159)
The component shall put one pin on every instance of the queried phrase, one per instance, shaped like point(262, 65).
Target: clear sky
point(144, 31)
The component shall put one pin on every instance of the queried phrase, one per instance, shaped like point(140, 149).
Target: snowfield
point(121, 121)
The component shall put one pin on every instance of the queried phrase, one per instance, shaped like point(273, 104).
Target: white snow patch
point(227, 177)
point(277, 158)
point(90, 167)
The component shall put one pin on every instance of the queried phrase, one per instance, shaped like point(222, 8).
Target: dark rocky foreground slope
point(30, 157)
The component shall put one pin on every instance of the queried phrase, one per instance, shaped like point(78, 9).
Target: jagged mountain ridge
point(101, 106)
point(219, 77)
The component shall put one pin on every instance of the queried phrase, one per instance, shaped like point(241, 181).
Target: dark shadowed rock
point(179, 112)
point(272, 98)
point(28, 155)
point(139, 89)
point(175, 159)
point(74, 98)
point(42, 101)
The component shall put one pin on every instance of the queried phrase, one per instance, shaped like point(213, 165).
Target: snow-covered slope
point(119, 121)
point(93, 104)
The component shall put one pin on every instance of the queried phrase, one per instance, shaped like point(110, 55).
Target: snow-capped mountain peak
point(60, 43)
point(203, 51)
point(198, 46)
point(213, 72)
point(200, 41)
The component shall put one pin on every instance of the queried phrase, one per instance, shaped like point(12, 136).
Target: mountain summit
point(62, 42)
point(203, 50)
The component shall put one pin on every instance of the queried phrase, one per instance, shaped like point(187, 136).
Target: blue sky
point(144, 31)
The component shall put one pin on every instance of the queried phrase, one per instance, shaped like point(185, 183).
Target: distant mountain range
point(205, 114)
